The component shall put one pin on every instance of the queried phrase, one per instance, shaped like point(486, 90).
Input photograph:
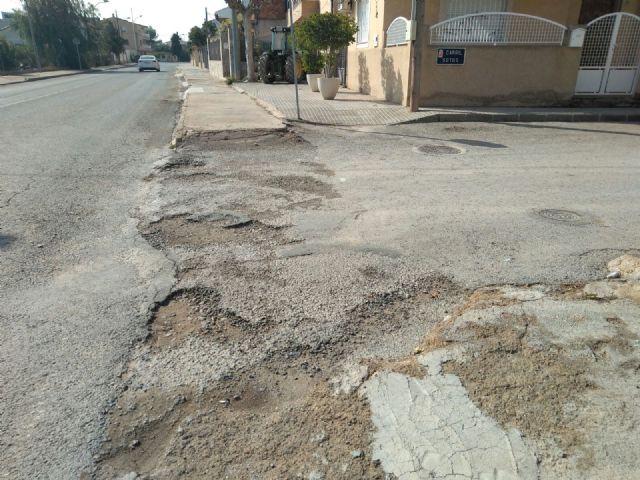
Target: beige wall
point(325, 6)
point(382, 73)
point(631, 6)
point(305, 8)
point(505, 76)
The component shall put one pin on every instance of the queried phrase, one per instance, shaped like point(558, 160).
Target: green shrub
point(327, 33)
point(229, 80)
point(312, 61)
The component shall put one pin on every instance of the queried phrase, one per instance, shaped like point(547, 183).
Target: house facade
point(491, 52)
point(137, 36)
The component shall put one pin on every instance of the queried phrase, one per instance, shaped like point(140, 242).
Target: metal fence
point(498, 28)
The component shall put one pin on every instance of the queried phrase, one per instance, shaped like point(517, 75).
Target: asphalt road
point(76, 279)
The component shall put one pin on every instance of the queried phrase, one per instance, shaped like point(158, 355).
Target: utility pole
point(76, 42)
point(206, 24)
point(33, 37)
point(135, 37)
point(235, 73)
point(416, 55)
point(119, 35)
point(295, 64)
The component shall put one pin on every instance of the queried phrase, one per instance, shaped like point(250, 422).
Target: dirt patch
point(521, 386)
point(194, 312)
point(243, 141)
point(262, 425)
point(484, 298)
point(290, 183)
point(406, 366)
point(319, 169)
point(186, 230)
point(182, 159)
point(402, 309)
point(173, 322)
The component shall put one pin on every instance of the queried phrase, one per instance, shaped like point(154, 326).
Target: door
point(610, 56)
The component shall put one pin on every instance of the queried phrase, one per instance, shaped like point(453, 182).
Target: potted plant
point(327, 33)
point(312, 64)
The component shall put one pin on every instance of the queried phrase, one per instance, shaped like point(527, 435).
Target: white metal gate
point(610, 56)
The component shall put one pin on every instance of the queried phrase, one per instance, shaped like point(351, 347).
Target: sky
point(166, 16)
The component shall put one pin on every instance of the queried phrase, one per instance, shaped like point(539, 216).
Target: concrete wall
point(501, 76)
point(505, 75)
point(380, 72)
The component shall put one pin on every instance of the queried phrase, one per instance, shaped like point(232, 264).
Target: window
point(363, 22)
point(457, 8)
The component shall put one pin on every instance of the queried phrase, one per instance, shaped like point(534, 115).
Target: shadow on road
point(6, 241)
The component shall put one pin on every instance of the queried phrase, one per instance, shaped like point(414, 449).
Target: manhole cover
point(565, 216)
point(430, 149)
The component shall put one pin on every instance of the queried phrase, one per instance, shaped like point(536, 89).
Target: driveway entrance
point(610, 56)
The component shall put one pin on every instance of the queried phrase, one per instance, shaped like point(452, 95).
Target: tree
point(197, 40)
point(112, 39)
point(210, 29)
point(197, 37)
point(153, 34)
point(56, 24)
point(328, 33)
point(176, 48)
point(249, 11)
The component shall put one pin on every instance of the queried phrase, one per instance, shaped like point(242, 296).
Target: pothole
point(244, 140)
point(568, 217)
point(433, 149)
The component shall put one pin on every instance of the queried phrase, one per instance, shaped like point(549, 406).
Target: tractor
point(277, 64)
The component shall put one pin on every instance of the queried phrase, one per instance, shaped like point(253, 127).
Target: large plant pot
point(329, 87)
point(312, 80)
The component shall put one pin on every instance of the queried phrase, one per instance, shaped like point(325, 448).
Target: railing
point(498, 28)
point(398, 32)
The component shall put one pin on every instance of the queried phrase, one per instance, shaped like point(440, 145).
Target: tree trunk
point(248, 39)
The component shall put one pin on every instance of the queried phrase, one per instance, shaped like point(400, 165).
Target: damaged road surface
point(351, 305)
point(77, 280)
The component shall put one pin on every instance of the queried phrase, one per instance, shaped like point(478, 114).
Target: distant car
point(148, 62)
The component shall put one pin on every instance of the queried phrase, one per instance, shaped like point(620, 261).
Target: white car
point(148, 62)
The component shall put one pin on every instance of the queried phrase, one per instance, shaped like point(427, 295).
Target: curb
point(572, 117)
point(524, 117)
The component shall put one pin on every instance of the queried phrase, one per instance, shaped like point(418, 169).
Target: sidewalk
point(212, 106)
point(352, 108)
point(349, 108)
point(34, 76)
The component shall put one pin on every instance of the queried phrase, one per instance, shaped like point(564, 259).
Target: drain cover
point(431, 149)
point(565, 216)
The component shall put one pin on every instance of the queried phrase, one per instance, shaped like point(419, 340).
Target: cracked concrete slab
point(520, 383)
point(429, 428)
